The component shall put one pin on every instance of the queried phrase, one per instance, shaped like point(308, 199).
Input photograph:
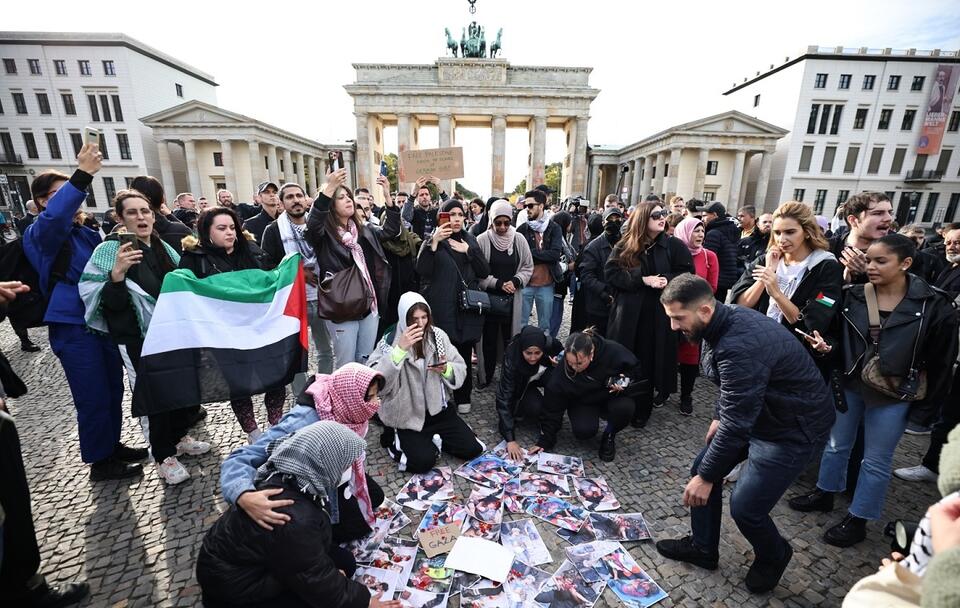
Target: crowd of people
point(825, 345)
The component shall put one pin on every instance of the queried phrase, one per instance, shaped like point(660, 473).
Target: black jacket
point(257, 224)
point(552, 247)
point(598, 294)
point(514, 381)
point(723, 238)
point(171, 231)
point(23, 223)
point(750, 247)
point(423, 221)
point(241, 563)
point(770, 388)
point(949, 280)
point(333, 257)
point(928, 266)
point(925, 313)
point(187, 217)
point(588, 387)
point(205, 262)
point(440, 285)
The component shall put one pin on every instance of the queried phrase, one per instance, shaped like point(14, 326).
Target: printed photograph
point(411, 597)
point(428, 574)
point(523, 583)
point(543, 484)
point(595, 494)
point(398, 557)
point(628, 580)
point(377, 580)
point(586, 557)
point(486, 504)
point(567, 589)
point(524, 540)
point(559, 464)
point(616, 526)
point(557, 511)
point(480, 529)
point(441, 514)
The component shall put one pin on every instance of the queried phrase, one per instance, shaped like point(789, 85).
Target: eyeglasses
point(658, 215)
point(501, 223)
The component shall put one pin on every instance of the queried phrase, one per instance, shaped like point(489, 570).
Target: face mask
point(612, 227)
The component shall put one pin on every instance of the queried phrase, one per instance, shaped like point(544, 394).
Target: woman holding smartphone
point(915, 344)
point(119, 287)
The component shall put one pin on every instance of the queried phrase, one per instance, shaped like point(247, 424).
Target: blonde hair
point(803, 215)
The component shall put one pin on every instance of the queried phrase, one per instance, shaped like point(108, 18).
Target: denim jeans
point(769, 470)
point(882, 428)
point(556, 316)
point(353, 341)
point(544, 298)
point(321, 339)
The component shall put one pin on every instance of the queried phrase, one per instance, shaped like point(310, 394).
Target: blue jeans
point(353, 341)
point(544, 299)
point(556, 316)
point(768, 472)
point(882, 428)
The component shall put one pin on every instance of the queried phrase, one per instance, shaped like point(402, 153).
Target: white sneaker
point(172, 471)
point(917, 473)
point(191, 447)
point(253, 435)
point(464, 408)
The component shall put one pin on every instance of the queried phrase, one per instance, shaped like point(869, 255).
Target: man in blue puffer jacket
point(91, 362)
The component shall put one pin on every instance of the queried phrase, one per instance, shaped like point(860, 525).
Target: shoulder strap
point(455, 265)
point(873, 310)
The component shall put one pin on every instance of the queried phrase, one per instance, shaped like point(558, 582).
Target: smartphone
point(336, 161)
point(443, 218)
point(803, 333)
point(128, 237)
point(383, 168)
point(621, 381)
point(91, 136)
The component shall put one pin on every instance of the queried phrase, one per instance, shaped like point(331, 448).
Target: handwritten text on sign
point(439, 540)
point(442, 163)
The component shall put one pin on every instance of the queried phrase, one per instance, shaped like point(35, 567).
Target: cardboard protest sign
point(439, 540)
point(442, 163)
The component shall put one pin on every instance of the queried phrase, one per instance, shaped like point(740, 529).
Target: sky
point(656, 64)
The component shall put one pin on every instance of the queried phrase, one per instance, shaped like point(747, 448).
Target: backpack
point(28, 309)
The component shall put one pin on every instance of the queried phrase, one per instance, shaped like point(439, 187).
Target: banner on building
point(938, 109)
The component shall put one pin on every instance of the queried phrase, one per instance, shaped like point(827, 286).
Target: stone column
point(375, 132)
point(257, 170)
point(273, 171)
point(193, 170)
point(364, 151)
point(296, 169)
point(763, 180)
point(229, 171)
point(579, 182)
point(700, 178)
point(596, 193)
point(404, 143)
point(636, 196)
point(538, 145)
point(647, 173)
point(658, 181)
point(627, 184)
point(672, 173)
point(349, 164)
point(446, 129)
point(166, 169)
point(308, 172)
point(498, 160)
point(288, 173)
point(736, 179)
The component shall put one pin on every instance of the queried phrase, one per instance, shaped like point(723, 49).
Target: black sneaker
point(847, 533)
point(765, 576)
point(818, 500)
point(686, 406)
point(660, 399)
point(608, 447)
point(113, 468)
point(29, 347)
point(58, 596)
point(127, 454)
point(684, 550)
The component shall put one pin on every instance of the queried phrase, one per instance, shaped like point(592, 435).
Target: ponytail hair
point(581, 343)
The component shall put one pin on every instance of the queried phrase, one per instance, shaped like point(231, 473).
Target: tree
point(552, 173)
point(392, 160)
point(521, 188)
point(468, 195)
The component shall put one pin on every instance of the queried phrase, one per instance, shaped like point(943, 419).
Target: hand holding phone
point(816, 341)
point(128, 238)
point(384, 170)
point(443, 218)
point(91, 136)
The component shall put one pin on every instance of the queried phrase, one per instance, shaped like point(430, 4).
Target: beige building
point(203, 148)
point(727, 157)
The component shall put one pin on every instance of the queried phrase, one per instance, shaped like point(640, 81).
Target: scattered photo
point(523, 583)
point(617, 526)
point(494, 468)
point(425, 488)
point(377, 580)
point(441, 514)
point(585, 535)
point(595, 494)
point(559, 464)
point(483, 598)
point(567, 588)
point(558, 512)
point(429, 574)
point(513, 503)
point(463, 580)
point(410, 597)
point(467, 472)
point(501, 451)
point(586, 557)
point(395, 556)
point(486, 504)
point(543, 484)
point(628, 580)
point(363, 548)
point(393, 513)
point(521, 537)
point(480, 529)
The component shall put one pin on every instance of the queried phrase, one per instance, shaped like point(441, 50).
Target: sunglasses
point(658, 215)
point(531, 205)
point(502, 223)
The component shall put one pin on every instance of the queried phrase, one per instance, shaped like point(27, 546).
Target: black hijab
point(531, 335)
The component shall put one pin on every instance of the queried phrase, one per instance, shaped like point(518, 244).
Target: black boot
point(847, 533)
point(686, 405)
point(127, 454)
point(113, 468)
point(818, 500)
point(57, 596)
point(608, 447)
point(684, 550)
point(29, 347)
point(765, 576)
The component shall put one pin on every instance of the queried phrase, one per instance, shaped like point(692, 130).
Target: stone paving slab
point(136, 543)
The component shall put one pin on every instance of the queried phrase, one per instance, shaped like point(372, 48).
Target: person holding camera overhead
point(450, 265)
point(357, 275)
point(898, 339)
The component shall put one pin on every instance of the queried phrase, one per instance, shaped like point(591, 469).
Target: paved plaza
point(136, 543)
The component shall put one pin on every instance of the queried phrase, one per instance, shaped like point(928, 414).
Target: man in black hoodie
point(723, 238)
point(597, 293)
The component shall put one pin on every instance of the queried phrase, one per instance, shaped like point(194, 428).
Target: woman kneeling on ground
point(422, 370)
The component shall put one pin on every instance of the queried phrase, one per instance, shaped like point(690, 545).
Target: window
point(103, 147)
point(920, 163)
point(850, 165)
point(907, 123)
point(54, 144)
point(952, 207)
point(812, 121)
point(894, 83)
point(31, 143)
point(897, 165)
point(820, 82)
point(295, 168)
point(824, 119)
point(845, 80)
point(34, 66)
point(907, 207)
point(875, 157)
point(860, 119)
point(91, 197)
point(20, 103)
point(829, 154)
point(94, 112)
point(68, 106)
point(129, 181)
point(868, 81)
point(7, 144)
point(885, 116)
point(105, 108)
point(842, 197)
point(110, 188)
point(709, 196)
point(44, 102)
point(123, 142)
point(77, 140)
point(819, 201)
point(931, 207)
point(944, 161)
point(917, 85)
point(954, 125)
point(756, 100)
point(218, 159)
point(805, 155)
point(109, 70)
point(835, 124)
point(84, 66)
point(60, 67)
point(1, 107)
point(10, 65)
point(117, 110)
point(266, 162)
point(284, 171)
point(711, 168)
point(798, 194)
point(179, 89)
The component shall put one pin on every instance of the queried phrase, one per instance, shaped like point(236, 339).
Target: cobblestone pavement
point(136, 543)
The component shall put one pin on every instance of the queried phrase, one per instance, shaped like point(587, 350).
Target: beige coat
point(524, 271)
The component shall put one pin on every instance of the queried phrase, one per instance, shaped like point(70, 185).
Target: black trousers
point(20, 559)
point(495, 329)
point(462, 394)
point(585, 419)
point(600, 323)
point(530, 404)
point(688, 375)
point(352, 524)
point(415, 450)
point(949, 418)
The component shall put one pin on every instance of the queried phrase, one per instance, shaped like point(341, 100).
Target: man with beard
point(269, 208)
point(285, 235)
point(774, 410)
point(753, 241)
point(544, 238)
point(244, 210)
point(421, 213)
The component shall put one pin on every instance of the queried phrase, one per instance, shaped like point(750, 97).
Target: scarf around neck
point(350, 239)
point(684, 232)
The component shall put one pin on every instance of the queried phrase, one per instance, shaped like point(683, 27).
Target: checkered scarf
point(350, 240)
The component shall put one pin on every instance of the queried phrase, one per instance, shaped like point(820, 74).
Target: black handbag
point(470, 300)
point(501, 304)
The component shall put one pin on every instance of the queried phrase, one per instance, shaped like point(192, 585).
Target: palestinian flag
point(828, 302)
point(227, 336)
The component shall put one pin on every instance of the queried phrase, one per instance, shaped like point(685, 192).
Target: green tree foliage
point(467, 194)
point(553, 174)
point(392, 161)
